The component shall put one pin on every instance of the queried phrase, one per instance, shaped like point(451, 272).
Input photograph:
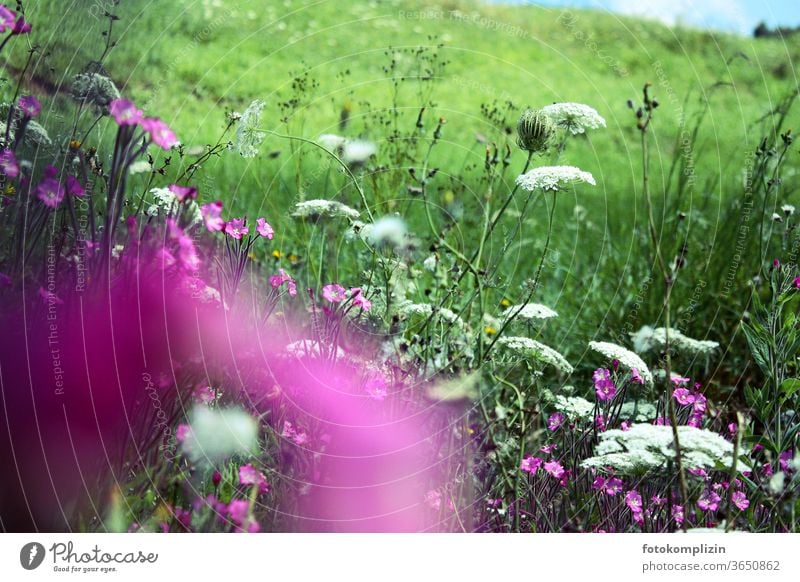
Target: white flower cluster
point(527, 347)
point(248, 134)
point(530, 311)
point(310, 348)
point(574, 407)
point(626, 358)
point(408, 309)
point(648, 338)
point(646, 447)
point(553, 177)
point(639, 411)
point(574, 117)
point(323, 208)
point(355, 151)
point(388, 231)
point(218, 433)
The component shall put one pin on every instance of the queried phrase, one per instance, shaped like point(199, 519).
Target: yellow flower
point(276, 254)
point(505, 303)
point(489, 330)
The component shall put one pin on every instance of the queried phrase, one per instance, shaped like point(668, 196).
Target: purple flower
point(784, 459)
point(709, 501)
point(6, 18)
point(554, 469)
point(634, 501)
point(8, 163)
point(250, 476)
point(603, 384)
point(797, 282)
point(183, 192)
point(613, 486)
point(51, 192)
point(21, 27)
point(334, 293)
point(212, 216)
point(235, 228)
point(216, 478)
point(74, 187)
point(264, 229)
point(600, 423)
point(125, 112)
point(683, 396)
point(740, 500)
point(599, 482)
point(636, 376)
point(679, 380)
point(699, 403)
point(276, 281)
point(359, 300)
point(29, 105)
point(625, 425)
point(160, 132)
point(530, 464)
point(677, 514)
point(555, 421)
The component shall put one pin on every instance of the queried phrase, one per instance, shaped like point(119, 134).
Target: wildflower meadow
point(379, 283)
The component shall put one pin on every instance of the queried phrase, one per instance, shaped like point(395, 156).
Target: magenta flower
point(797, 282)
point(264, 229)
point(600, 423)
point(334, 293)
point(699, 403)
point(6, 18)
point(599, 482)
point(21, 27)
point(636, 376)
point(276, 281)
point(8, 163)
point(51, 192)
point(376, 386)
point(784, 459)
point(625, 425)
point(613, 486)
point(238, 511)
point(250, 476)
point(677, 514)
point(555, 421)
point(776, 263)
point(554, 469)
point(634, 501)
point(125, 112)
point(160, 133)
point(658, 500)
point(182, 432)
point(212, 216)
point(547, 449)
point(530, 464)
point(679, 380)
point(235, 228)
point(603, 384)
point(740, 500)
point(697, 472)
point(29, 105)
point(74, 187)
point(216, 478)
point(683, 396)
point(709, 501)
point(359, 300)
point(183, 192)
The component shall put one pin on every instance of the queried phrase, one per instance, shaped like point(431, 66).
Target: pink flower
point(250, 476)
point(658, 500)
point(740, 500)
point(709, 501)
point(299, 437)
point(683, 396)
point(236, 228)
point(679, 380)
point(599, 482)
point(776, 263)
point(125, 112)
point(6, 18)
point(29, 105)
point(276, 281)
point(699, 403)
point(376, 386)
point(600, 423)
point(8, 163)
point(634, 501)
point(547, 449)
point(212, 216)
point(784, 458)
point(359, 300)
point(204, 394)
point(555, 421)
point(239, 511)
point(625, 425)
point(555, 469)
point(21, 27)
point(264, 229)
point(636, 376)
point(433, 499)
point(160, 132)
point(697, 472)
point(164, 258)
point(74, 187)
point(613, 486)
point(51, 192)
point(797, 282)
point(183, 192)
point(182, 432)
point(677, 514)
point(530, 464)
point(216, 478)
point(603, 384)
point(334, 293)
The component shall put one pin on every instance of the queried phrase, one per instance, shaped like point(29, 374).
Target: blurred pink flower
point(235, 228)
point(634, 501)
point(683, 396)
point(334, 293)
point(74, 187)
point(50, 192)
point(636, 376)
point(29, 105)
point(276, 281)
point(125, 112)
point(6, 18)
point(603, 384)
point(212, 216)
point(530, 464)
point(250, 476)
point(554, 468)
point(160, 132)
point(183, 192)
point(555, 421)
point(8, 163)
point(359, 300)
point(21, 26)
point(708, 501)
point(264, 229)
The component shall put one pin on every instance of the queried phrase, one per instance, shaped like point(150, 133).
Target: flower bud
point(534, 131)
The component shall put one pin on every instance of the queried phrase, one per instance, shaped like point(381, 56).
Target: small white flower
point(529, 312)
point(324, 208)
point(777, 483)
point(358, 151)
point(553, 177)
point(140, 167)
point(788, 209)
point(574, 117)
point(526, 347)
point(248, 134)
point(574, 407)
point(626, 358)
point(430, 263)
point(386, 231)
point(216, 434)
point(777, 217)
point(331, 142)
point(648, 338)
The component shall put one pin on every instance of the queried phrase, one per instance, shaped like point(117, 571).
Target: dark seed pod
point(534, 131)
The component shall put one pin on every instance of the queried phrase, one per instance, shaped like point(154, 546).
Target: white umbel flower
point(526, 347)
point(388, 231)
point(248, 134)
point(574, 117)
point(647, 447)
point(574, 407)
point(553, 177)
point(324, 208)
point(638, 411)
point(648, 338)
point(358, 151)
point(530, 311)
point(216, 434)
point(626, 358)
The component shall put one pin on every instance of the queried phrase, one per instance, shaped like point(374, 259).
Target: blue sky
point(731, 15)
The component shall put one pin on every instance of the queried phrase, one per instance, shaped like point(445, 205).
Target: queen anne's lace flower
point(248, 134)
point(646, 447)
point(323, 208)
point(626, 358)
point(527, 347)
point(530, 311)
point(553, 177)
point(574, 117)
point(648, 338)
point(215, 434)
point(638, 411)
point(573, 407)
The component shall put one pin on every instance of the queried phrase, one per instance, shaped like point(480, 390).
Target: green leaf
point(790, 386)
